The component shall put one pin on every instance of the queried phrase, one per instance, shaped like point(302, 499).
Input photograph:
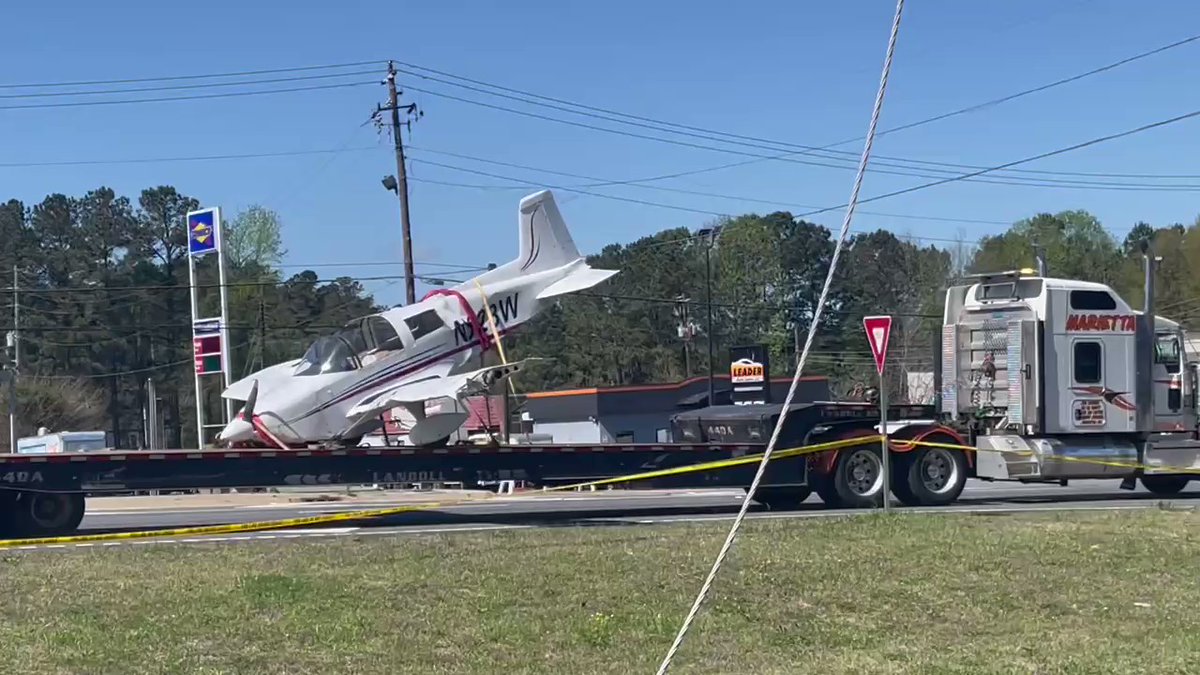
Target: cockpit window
point(383, 334)
point(424, 323)
point(354, 335)
point(330, 354)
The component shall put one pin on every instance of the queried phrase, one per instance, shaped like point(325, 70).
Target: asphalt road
point(604, 508)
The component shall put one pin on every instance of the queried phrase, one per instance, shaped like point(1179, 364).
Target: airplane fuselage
point(448, 346)
point(437, 334)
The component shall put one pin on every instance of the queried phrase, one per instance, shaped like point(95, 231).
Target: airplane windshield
point(330, 354)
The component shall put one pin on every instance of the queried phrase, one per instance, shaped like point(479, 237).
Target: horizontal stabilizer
point(581, 278)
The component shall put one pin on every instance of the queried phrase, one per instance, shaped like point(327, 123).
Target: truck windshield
point(330, 354)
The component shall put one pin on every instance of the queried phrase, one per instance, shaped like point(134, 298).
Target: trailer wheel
point(782, 499)
point(42, 514)
point(935, 476)
point(901, 463)
point(857, 479)
point(1165, 485)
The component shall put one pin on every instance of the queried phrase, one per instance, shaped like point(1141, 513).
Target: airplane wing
point(428, 386)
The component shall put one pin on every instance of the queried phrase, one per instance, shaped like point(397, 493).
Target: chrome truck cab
point(1059, 379)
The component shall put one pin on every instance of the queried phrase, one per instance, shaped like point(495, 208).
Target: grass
point(1100, 593)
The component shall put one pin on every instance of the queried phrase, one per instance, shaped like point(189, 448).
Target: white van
point(63, 441)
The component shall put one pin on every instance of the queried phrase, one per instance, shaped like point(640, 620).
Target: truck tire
point(1165, 484)
point(901, 466)
point(932, 477)
point(857, 479)
point(782, 499)
point(45, 514)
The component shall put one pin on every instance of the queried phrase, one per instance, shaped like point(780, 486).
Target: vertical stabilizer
point(545, 241)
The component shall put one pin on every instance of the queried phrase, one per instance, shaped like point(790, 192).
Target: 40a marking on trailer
point(21, 477)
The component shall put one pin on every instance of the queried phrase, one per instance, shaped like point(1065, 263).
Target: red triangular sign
point(879, 328)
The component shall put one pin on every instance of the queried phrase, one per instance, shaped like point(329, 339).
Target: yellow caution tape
point(208, 530)
point(900, 445)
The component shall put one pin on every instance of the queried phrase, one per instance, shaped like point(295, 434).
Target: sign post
point(879, 329)
point(210, 336)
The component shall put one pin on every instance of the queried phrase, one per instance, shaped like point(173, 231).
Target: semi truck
point(1039, 380)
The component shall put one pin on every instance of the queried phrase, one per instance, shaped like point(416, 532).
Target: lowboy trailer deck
point(42, 495)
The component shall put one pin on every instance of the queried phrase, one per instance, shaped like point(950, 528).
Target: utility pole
point(710, 235)
point(14, 340)
point(262, 330)
point(400, 182)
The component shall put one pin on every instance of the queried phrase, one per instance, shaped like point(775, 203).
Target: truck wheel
point(42, 514)
point(857, 479)
point(935, 476)
point(782, 499)
point(901, 463)
point(1165, 485)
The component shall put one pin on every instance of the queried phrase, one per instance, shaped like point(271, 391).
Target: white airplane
point(440, 347)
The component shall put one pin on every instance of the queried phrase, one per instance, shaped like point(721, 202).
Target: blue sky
point(799, 72)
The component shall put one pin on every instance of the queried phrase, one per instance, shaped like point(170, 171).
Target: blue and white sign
point(202, 231)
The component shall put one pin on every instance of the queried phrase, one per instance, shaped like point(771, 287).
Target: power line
point(585, 192)
point(792, 157)
point(174, 78)
point(77, 104)
point(696, 192)
point(607, 114)
point(701, 211)
point(232, 284)
point(192, 158)
point(177, 87)
point(1034, 158)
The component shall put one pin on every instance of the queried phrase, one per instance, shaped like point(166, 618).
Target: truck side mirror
point(1193, 383)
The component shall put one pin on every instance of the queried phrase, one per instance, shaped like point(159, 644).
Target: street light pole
point(708, 300)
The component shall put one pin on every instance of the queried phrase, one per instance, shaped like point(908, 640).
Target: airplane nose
point(237, 430)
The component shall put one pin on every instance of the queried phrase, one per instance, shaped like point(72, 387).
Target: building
point(638, 414)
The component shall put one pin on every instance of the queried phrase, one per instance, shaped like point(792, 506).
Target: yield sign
point(879, 328)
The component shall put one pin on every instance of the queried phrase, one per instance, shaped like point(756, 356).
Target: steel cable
point(812, 330)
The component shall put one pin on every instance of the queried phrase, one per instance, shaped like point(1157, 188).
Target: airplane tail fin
point(545, 241)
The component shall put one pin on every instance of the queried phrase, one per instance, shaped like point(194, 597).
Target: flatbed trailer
point(45, 494)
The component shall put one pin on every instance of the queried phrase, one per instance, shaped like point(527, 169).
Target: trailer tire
point(934, 476)
point(901, 463)
point(857, 480)
point(44, 514)
point(782, 499)
point(1165, 484)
